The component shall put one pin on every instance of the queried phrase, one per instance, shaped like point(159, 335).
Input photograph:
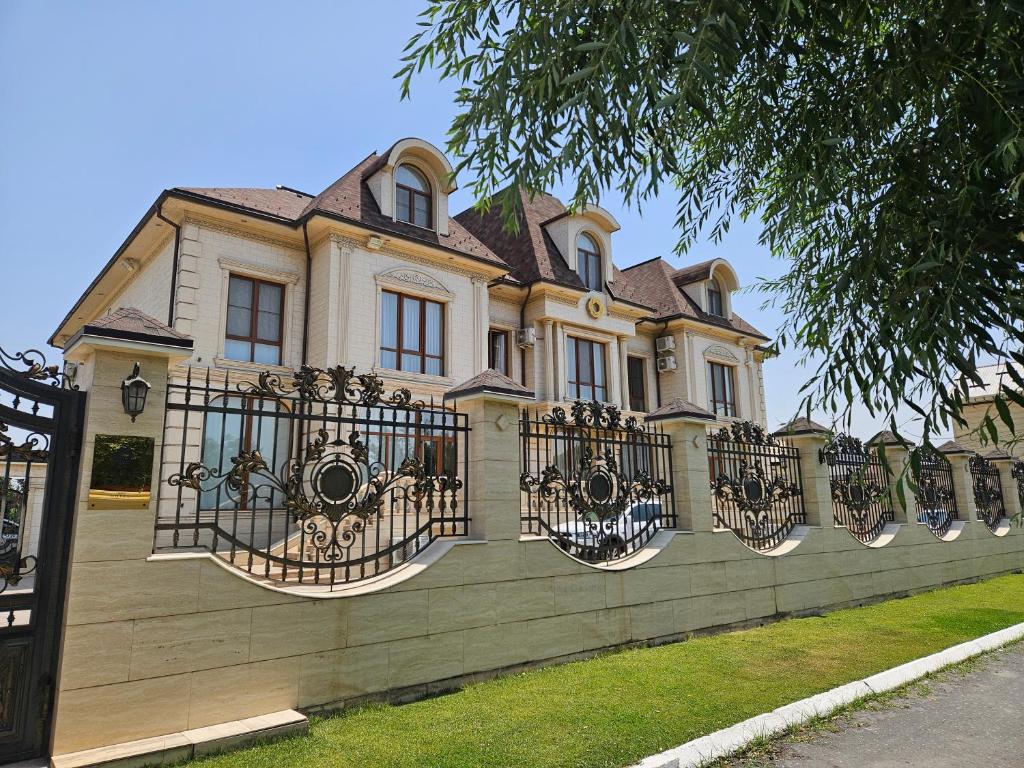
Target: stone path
point(956, 719)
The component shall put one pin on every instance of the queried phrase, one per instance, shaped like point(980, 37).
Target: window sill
point(243, 365)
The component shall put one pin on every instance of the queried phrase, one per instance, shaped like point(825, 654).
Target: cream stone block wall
point(157, 644)
point(970, 437)
point(149, 289)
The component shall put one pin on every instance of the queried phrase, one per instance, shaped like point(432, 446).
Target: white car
point(615, 537)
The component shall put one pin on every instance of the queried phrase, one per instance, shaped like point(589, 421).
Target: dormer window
point(588, 262)
point(413, 202)
point(715, 303)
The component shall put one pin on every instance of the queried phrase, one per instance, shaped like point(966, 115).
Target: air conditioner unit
point(526, 337)
point(402, 554)
point(666, 363)
point(665, 344)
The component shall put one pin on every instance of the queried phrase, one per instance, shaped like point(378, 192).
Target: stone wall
point(160, 644)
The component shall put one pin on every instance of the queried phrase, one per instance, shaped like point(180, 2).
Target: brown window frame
point(726, 399)
point(634, 398)
point(507, 362)
point(412, 194)
point(580, 383)
point(583, 262)
point(422, 353)
point(714, 289)
point(254, 312)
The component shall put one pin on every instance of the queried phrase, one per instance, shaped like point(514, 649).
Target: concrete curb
point(714, 746)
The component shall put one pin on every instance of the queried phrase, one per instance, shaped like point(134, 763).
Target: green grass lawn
point(616, 709)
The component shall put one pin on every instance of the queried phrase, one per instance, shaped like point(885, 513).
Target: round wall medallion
point(595, 307)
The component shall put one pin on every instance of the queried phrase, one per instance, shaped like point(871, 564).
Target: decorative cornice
point(258, 269)
point(720, 352)
point(412, 277)
point(227, 229)
point(343, 240)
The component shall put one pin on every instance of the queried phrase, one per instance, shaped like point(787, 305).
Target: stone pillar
point(963, 483)
point(897, 457)
point(686, 424)
point(623, 370)
point(1007, 483)
point(492, 402)
point(549, 361)
point(809, 438)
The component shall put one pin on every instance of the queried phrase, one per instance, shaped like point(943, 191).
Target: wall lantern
point(133, 393)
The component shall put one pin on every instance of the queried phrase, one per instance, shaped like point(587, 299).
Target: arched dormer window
point(588, 262)
point(413, 202)
point(716, 305)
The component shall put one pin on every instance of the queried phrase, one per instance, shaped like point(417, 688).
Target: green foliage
point(616, 709)
point(122, 463)
point(879, 143)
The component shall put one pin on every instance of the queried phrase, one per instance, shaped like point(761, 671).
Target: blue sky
point(105, 104)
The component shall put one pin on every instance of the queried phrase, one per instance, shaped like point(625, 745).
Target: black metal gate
point(40, 435)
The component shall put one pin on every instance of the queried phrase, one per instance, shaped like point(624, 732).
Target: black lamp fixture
point(133, 393)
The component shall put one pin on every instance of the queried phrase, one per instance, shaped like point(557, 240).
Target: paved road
point(957, 721)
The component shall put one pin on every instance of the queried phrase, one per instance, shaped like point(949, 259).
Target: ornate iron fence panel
point(936, 499)
point(317, 477)
point(599, 486)
point(860, 487)
point(756, 487)
point(41, 416)
point(1018, 475)
point(988, 491)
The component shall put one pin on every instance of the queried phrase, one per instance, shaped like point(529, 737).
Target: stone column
point(1003, 461)
point(686, 424)
point(809, 438)
point(492, 403)
point(897, 457)
point(549, 361)
point(623, 371)
point(963, 483)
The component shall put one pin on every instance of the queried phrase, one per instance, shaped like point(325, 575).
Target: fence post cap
point(131, 329)
point(800, 426)
point(953, 448)
point(489, 382)
point(998, 454)
point(677, 408)
point(887, 437)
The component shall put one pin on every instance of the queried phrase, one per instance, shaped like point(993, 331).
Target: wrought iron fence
point(598, 485)
point(1018, 475)
point(318, 477)
point(988, 491)
point(860, 487)
point(936, 499)
point(756, 488)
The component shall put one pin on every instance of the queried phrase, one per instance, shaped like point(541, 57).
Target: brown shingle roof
point(134, 324)
point(488, 381)
point(350, 198)
point(679, 408)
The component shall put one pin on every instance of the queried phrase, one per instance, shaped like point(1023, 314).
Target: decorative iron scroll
point(988, 491)
point(32, 365)
point(1018, 475)
point(936, 498)
point(323, 478)
point(593, 482)
point(860, 487)
point(33, 446)
point(336, 384)
point(756, 485)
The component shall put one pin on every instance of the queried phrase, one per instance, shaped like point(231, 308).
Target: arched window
point(413, 202)
point(715, 303)
point(588, 262)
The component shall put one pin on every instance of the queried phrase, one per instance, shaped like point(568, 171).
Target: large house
point(374, 272)
point(980, 403)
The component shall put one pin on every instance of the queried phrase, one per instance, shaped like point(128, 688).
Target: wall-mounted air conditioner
point(666, 363)
point(526, 337)
point(665, 344)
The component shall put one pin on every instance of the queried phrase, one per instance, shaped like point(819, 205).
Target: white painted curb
point(714, 746)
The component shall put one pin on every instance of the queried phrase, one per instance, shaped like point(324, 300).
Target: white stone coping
point(186, 745)
point(714, 746)
point(407, 570)
point(651, 549)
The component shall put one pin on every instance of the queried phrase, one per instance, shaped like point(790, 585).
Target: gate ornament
point(860, 487)
point(752, 491)
point(597, 490)
point(35, 447)
point(34, 367)
point(988, 492)
point(591, 413)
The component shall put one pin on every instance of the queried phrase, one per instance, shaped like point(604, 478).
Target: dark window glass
point(255, 319)
point(588, 258)
point(497, 351)
point(715, 299)
point(411, 334)
point(723, 400)
point(413, 201)
point(585, 364)
point(635, 379)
